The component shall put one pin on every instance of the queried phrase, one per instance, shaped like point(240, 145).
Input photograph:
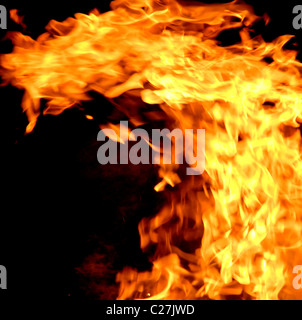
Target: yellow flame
point(236, 230)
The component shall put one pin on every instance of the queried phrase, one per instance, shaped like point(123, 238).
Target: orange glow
point(16, 18)
point(236, 230)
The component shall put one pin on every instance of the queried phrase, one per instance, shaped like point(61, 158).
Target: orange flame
point(17, 18)
point(237, 229)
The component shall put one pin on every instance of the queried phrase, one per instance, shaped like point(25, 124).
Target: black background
point(58, 206)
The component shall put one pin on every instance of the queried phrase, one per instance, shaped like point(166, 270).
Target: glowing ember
point(237, 229)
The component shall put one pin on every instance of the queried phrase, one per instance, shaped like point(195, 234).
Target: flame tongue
point(237, 229)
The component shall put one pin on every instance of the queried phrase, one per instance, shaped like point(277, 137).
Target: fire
point(17, 18)
point(235, 231)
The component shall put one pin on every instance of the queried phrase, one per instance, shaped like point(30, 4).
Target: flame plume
point(235, 231)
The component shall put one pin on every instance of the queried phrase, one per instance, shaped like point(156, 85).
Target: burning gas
point(235, 231)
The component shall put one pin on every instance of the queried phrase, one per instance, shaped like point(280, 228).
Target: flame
point(17, 18)
point(237, 229)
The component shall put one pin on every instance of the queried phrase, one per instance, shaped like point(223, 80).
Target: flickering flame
point(237, 229)
point(17, 18)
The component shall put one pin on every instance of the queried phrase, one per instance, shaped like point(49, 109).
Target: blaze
point(236, 230)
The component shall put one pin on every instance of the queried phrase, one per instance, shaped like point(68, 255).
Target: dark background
point(59, 208)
